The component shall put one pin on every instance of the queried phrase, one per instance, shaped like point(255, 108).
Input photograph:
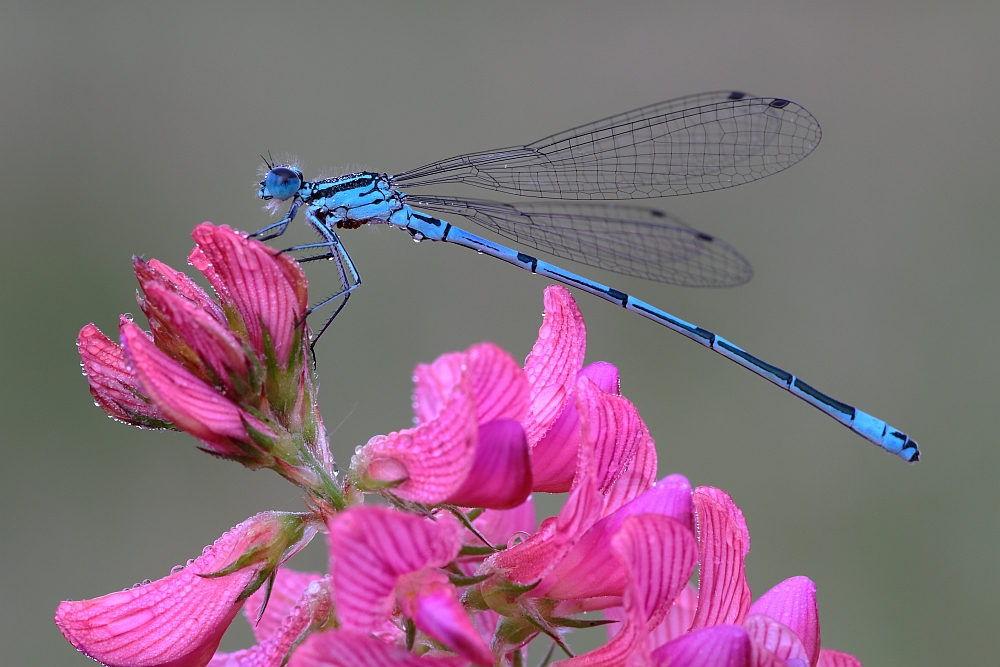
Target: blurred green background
point(123, 126)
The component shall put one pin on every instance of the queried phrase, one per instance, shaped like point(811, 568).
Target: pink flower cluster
point(451, 568)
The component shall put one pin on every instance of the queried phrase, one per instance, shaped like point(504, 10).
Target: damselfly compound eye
point(283, 182)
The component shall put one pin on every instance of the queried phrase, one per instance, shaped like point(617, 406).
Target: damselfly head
point(281, 183)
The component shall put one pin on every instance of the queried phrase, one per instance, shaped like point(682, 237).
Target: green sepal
point(462, 581)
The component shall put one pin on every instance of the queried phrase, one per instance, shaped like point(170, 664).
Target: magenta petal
point(778, 639)
point(678, 618)
point(340, 648)
point(157, 271)
point(112, 383)
point(717, 646)
point(311, 611)
point(588, 571)
point(184, 399)
point(176, 621)
point(657, 555)
point(434, 384)
point(286, 591)
point(604, 375)
point(554, 455)
point(267, 289)
point(830, 658)
point(552, 365)
point(372, 547)
point(500, 477)
point(432, 603)
point(217, 352)
point(639, 476)
point(724, 595)
point(498, 383)
point(426, 463)
point(793, 603)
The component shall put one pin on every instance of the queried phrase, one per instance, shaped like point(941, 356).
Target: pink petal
point(678, 618)
point(176, 621)
point(267, 289)
point(657, 555)
point(777, 639)
point(830, 658)
point(554, 456)
point(311, 611)
point(372, 547)
point(639, 476)
point(716, 646)
point(724, 595)
point(112, 384)
point(184, 399)
point(588, 571)
point(500, 477)
point(432, 603)
point(211, 349)
point(498, 526)
point(793, 604)
point(552, 365)
point(532, 559)
point(286, 591)
point(340, 648)
point(498, 383)
point(427, 463)
point(157, 271)
point(434, 384)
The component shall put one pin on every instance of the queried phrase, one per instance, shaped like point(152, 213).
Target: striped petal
point(341, 648)
point(113, 384)
point(176, 621)
point(793, 604)
point(156, 271)
point(372, 547)
point(500, 477)
point(186, 400)
point(724, 595)
point(830, 658)
point(716, 646)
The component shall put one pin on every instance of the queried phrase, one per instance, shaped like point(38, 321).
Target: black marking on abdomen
point(528, 259)
point(618, 296)
point(785, 376)
point(824, 399)
point(704, 334)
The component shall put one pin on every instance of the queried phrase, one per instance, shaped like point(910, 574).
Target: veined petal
point(311, 611)
point(286, 591)
point(176, 621)
point(723, 592)
point(156, 271)
point(657, 555)
point(498, 384)
point(552, 365)
point(500, 477)
point(778, 639)
point(678, 618)
point(639, 476)
point(113, 384)
point(554, 456)
point(588, 571)
point(187, 401)
point(184, 330)
point(793, 604)
point(342, 648)
point(716, 646)
point(372, 547)
point(432, 603)
point(830, 658)
point(266, 288)
point(434, 383)
point(426, 463)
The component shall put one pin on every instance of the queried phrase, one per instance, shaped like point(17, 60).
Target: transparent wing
point(629, 240)
point(692, 144)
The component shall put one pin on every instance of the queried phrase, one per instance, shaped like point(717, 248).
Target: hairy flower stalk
point(455, 571)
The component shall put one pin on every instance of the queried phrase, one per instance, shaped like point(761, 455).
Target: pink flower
point(479, 415)
point(235, 374)
point(179, 620)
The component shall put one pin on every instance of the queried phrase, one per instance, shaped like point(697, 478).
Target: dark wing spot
point(779, 104)
point(737, 95)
